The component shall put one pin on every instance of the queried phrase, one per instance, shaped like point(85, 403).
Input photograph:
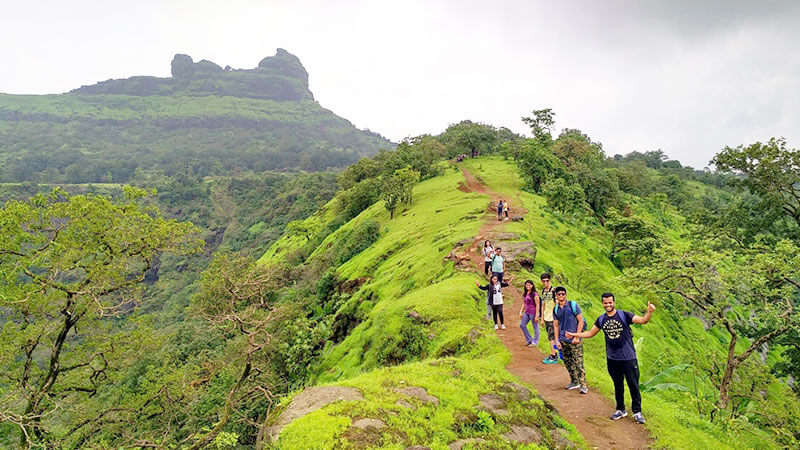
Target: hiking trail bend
point(588, 412)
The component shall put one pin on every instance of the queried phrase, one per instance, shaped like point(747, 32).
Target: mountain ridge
point(215, 121)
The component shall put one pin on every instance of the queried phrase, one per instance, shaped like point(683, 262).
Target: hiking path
point(590, 412)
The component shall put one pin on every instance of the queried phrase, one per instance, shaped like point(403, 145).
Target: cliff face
point(281, 77)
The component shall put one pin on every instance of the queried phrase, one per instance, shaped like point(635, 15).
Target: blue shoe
point(550, 360)
point(619, 415)
point(639, 417)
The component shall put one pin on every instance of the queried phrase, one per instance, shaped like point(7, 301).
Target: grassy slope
point(577, 255)
point(407, 272)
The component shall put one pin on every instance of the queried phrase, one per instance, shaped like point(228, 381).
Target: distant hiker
point(548, 301)
point(494, 298)
point(505, 208)
point(567, 317)
point(529, 312)
point(500, 210)
point(498, 264)
point(488, 254)
point(620, 352)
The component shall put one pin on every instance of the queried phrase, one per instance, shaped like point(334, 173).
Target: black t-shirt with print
point(619, 338)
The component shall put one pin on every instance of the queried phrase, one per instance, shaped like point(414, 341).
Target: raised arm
point(642, 320)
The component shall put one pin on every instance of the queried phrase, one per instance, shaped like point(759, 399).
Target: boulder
point(457, 445)
point(369, 423)
point(461, 259)
point(418, 393)
point(524, 434)
point(494, 403)
point(312, 399)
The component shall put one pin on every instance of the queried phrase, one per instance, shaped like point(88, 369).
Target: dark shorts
point(551, 331)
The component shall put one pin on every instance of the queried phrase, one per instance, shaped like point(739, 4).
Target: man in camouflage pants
point(567, 316)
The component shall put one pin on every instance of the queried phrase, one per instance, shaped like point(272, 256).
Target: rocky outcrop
point(280, 77)
point(309, 400)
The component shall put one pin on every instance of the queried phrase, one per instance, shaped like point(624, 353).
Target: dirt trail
point(589, 413)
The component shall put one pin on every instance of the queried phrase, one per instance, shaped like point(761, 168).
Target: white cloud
point(686, 77)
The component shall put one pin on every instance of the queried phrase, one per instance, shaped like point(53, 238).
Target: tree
point(564, 197)
point(235, 298)
point(632, 235)
point(537, 164)
point(300, 227)
point(66, 264)
point(772, 171)
point(749, 293)
point(407, 179)
point(541, 125)
point(466, 136)
point(391, 193)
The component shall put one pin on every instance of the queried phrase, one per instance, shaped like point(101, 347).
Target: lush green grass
point(457, 356)
point(576, 253)
point(405, 271)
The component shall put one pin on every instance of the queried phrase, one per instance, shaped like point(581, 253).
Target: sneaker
point(639, 417)
point(496, 327)
point(531, 344)
point(572, 386)
point(619, 415)
point(584, 390)
point(550, 360)
point(503, 326)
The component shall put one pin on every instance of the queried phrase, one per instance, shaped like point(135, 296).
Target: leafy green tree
point(67, 263)
point(631, 235)
point(564, 197)
point(771, 170)
point(541, 125)
point(407, 178)
point(391, 193)
point(748, 293)
point(537, 164)
point(466, 136)
point(300, 227)
point(236, 298)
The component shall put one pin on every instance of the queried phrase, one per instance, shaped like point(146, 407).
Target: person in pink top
point(530, 312)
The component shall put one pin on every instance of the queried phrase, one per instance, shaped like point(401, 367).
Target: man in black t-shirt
point(620, 352)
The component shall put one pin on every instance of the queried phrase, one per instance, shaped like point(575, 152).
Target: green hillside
point(403, 271)
point(204, 119)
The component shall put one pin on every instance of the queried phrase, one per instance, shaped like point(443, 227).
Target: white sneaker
point(496, 327)
point(503, 326)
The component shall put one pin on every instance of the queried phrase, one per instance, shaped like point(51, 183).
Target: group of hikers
point(502, 209)
point(565, 325)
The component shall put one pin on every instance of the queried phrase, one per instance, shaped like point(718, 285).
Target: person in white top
point(488, 254)
point(494, 298)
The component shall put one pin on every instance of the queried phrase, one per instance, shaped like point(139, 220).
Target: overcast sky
point(688, 77)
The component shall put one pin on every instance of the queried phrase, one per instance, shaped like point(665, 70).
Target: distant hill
point(204, 120)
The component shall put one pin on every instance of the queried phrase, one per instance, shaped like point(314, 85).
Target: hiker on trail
point(620, 352)
point(494, 298)
point(548, 301)
point(500, 210)
point(567, 317)
point(529, 312)
point(505, 208)
point(488, 254)
point(498, 264)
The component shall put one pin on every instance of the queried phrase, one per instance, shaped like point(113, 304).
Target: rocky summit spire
point(280, 77)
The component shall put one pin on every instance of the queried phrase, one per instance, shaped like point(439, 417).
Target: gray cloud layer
point(688, 77)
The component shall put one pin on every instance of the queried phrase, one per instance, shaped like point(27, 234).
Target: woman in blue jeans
point(531, 306)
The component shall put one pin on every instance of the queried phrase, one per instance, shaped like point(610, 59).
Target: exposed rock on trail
point(312, 399)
